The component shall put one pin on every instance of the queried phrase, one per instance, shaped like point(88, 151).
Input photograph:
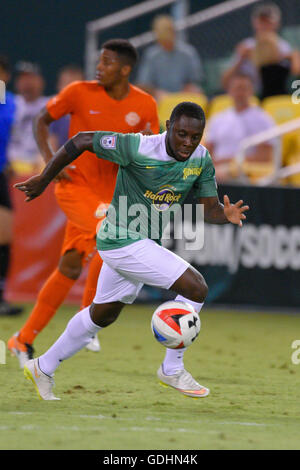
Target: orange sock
point(49, 299)
point(91, 282)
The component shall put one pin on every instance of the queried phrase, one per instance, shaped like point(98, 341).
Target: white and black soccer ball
point(175, 325)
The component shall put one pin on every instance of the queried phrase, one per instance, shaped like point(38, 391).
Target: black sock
point(4, 264)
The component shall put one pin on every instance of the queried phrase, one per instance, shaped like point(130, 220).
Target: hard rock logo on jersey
point(132, 118)
point(163, 199)
point(196, 171)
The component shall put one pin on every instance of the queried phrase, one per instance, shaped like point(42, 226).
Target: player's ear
point(126, 69)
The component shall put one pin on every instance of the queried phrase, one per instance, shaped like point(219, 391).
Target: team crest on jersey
point(132, 118)
point(108, 142)
point(191, 171)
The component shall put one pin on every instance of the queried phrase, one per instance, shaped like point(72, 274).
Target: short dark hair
point(4, 63)
point(124, 49)
point(189, 109)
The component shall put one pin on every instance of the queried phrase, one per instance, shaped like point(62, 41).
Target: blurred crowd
point(255, 98)
point(256, 94)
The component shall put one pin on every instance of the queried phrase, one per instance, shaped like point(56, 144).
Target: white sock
point(197, 307)
point(173, 361)
point(76, 336)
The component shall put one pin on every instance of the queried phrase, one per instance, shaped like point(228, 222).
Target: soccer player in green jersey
point(155, 175)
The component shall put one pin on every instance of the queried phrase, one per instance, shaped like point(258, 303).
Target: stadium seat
point(253, 170)
point(292, 158)
point(166, 104)
point(20, 167)
point(282, 109)
point(221, 102)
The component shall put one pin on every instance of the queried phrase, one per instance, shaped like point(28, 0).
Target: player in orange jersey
point(85, 188)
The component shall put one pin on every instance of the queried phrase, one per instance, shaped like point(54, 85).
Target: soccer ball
point(175, 325)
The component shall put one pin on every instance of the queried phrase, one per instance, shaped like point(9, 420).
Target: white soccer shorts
point(125, 270)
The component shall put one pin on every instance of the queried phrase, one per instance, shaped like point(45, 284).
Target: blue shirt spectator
point(170, 70)
point(7, 113)
point(170, 66)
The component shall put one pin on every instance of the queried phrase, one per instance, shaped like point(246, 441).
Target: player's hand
point(235, 212)
point(63, 175)
point(147, 130)
point(32, 187)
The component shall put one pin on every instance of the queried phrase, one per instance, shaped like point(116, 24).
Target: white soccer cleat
point(183, 382)
point(94, 344)
point(43, 384)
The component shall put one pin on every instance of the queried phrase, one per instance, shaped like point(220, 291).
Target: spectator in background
point(23, 152)
point(171, 65)
point(59, 130)
point(227, 129)
point(266, 58)
point(7, 113)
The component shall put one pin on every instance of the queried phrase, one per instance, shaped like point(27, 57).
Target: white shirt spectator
point(22, 145)
point(227, 129)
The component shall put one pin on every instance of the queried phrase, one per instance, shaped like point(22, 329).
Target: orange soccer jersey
point(93, 179)
point(92, 109)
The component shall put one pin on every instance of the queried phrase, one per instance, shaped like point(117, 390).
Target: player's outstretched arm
point(74, 147)
point(217, 213)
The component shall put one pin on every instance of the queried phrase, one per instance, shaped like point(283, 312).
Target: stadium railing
point(94, 28)
point(277, 171)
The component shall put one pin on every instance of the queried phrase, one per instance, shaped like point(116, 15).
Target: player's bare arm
point(35, 185)
point(217, 213)
point(41, 133)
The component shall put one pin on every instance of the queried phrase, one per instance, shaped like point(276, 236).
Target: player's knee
point(198, 291)
point(70, 265)
point(72, 272)
point(102, 315)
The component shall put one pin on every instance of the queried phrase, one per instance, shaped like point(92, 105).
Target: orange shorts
point(84, 211)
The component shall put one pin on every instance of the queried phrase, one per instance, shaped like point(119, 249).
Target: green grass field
point(112, 399)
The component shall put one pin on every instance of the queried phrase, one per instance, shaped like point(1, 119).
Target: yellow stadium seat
point(221, 102)
point(282, 109)
point(253, 170)
point(166, 104)
point(24, 168)
point(294, 180)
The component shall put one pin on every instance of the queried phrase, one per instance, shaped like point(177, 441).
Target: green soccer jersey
point(150, 185)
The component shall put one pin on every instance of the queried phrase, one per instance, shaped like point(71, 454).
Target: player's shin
point(173, 361)
point(76, 336)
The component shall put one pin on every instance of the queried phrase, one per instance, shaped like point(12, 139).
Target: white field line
point(244, 424)
point(156, 419)
point(148, 419)
point(32, 427)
